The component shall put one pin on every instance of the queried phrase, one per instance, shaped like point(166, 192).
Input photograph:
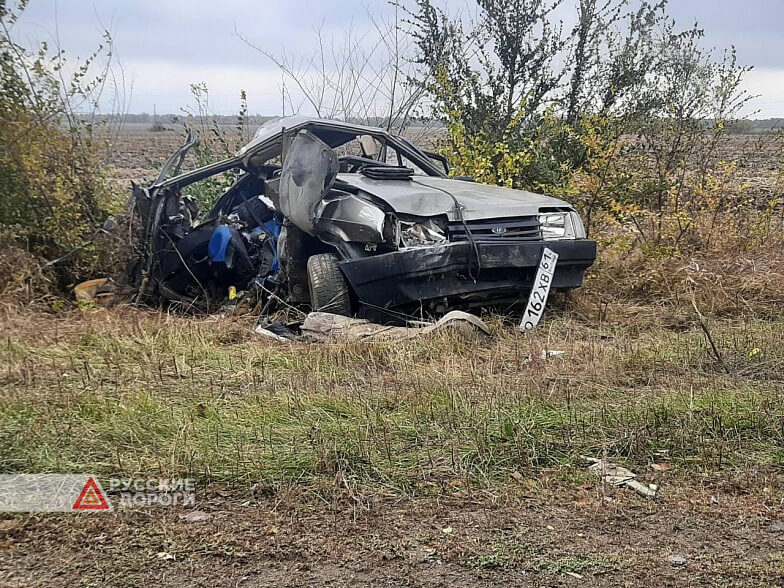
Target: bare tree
point(359, 77)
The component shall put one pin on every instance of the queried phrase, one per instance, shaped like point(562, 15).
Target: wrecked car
point(345, 218)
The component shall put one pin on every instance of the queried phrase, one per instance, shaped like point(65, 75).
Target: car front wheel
point(329, 290)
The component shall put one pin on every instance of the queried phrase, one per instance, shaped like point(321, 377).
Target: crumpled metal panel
point(432, 196)
point(350, 218)
point(308, 172)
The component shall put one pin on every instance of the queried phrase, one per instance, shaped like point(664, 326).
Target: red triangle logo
point(91, 497)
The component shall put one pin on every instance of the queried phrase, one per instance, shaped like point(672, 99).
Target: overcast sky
point(166, 45)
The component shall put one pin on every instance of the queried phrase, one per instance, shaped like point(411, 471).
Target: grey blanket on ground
point(323, 326)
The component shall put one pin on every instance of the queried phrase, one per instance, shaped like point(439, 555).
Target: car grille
point(524, 228)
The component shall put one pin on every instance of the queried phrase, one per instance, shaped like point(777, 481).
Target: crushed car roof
point(275, 127)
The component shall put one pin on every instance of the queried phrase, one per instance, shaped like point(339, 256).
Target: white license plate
point(540, 291)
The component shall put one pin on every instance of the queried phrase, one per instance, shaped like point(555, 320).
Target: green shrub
point(55, 192)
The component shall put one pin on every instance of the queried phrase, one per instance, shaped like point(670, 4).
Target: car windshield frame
point(271, 145)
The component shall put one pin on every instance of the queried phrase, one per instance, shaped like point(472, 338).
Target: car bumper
point(415, 275)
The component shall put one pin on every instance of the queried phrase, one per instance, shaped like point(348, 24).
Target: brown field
point(137, 154)
point(438, 461)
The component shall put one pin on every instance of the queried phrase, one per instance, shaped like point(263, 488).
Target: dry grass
point(736, 271)
point(127, 391)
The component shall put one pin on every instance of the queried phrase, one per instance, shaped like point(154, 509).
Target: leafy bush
point(55, 194)
point(626, 116)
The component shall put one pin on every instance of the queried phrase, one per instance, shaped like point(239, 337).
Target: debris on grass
point(326, 326)
point(677, 560)
point(100, 290)
point(323, 326)
point(277, 331)
point(196, 516)
point(616, 475)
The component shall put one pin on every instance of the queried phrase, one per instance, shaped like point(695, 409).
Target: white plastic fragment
point(677, 560)
point(265, 333)
point(616, 475)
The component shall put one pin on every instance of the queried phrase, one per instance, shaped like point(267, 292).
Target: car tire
point(329, 290)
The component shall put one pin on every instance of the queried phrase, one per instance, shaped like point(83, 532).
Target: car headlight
point(578, 226)
point(557, 225)
point(424, 234)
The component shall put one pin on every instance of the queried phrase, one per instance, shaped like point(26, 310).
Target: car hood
point(432, 196)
